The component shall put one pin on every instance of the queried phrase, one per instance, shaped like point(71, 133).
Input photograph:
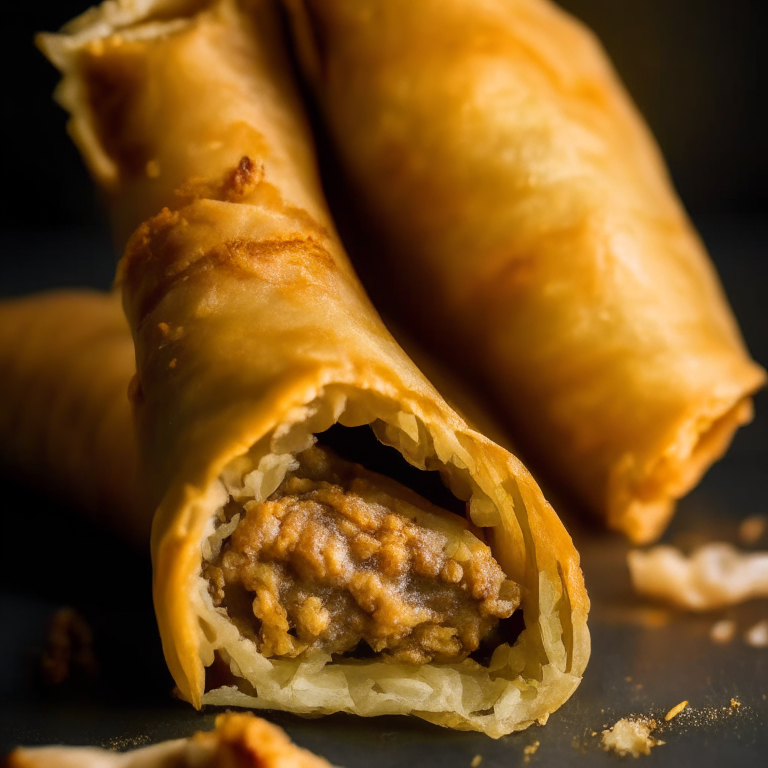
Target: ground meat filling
point(334, 561)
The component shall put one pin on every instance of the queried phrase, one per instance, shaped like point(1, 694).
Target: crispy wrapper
point(252, 335)
point(510, 179)
point(66, 358)
point(239, 741)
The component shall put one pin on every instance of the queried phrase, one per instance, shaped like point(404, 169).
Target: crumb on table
point(631, 736)
point(722, 631)
point(676, 710)
point(757, 635)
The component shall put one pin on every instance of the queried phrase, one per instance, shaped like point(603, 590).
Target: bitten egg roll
point(66, 358)
point(530, 235)
point(285, 576)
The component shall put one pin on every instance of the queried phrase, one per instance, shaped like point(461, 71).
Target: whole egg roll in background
point(284, 577)
point(530, 236)
point(66, 358)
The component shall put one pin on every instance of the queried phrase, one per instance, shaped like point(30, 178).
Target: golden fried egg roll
point(287, 576)
point(66, 358)
point(530, 235)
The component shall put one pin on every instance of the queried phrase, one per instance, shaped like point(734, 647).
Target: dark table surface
point(645, 658)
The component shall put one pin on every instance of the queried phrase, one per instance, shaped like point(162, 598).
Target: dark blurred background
point(697, 69)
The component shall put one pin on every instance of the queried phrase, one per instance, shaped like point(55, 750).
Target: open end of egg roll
point(642, 495)
point(319, 586)
point(340, 560)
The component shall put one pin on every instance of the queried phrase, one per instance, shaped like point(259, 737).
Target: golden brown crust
point(66, 358)
point(502, 164)
point(252, 334)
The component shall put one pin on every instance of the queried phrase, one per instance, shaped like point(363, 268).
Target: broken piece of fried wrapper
point(239, 741)
point(253, 334)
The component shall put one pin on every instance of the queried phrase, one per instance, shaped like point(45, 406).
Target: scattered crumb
point(639, 687)
point(676, 710)
point(530, 751)
point(152, 169)
point(722, 631)
point(713, 576)
point(126, 744)
point(172, 364)
point(631, 737)
point(627, 679)
point(476, 760)
point(707, 716)
point(752, 528)
point(594, 733)
point(757, 636)
point(68, 648)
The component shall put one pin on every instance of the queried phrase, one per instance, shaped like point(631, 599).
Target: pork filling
point(339, 558)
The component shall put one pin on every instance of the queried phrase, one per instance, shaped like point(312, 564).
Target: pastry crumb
point(752, 528)
point(476, 760)
point(735, 704)
point(723, 631)
point(530, 750)
point(676, 710)
point(757, 636)
point(631, 736)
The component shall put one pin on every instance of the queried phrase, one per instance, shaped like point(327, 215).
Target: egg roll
point(530, 237)
point(285, 574)
point(66, 359)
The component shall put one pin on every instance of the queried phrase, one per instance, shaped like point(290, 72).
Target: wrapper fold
point(252, 335)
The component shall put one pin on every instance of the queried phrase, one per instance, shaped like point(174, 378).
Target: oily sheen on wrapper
point(508, 176)
point(66, 358)
point(252, 334)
